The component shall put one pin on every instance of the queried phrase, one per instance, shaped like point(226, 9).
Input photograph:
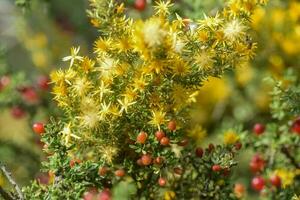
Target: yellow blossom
point(73, 57)
point(198, 133)
point(158, 118)
point(287, 176)
point(230, 137)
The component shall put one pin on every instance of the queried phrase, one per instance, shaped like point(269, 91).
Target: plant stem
point(12, 182)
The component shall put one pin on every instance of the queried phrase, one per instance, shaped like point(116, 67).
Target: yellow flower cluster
point(144, 73)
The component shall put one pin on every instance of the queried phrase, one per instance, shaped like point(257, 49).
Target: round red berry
point(139, 162)
point(159, 134)
point(258, 183)
point(178, 170)
point(258, 129)
point(172, 125)
point(102, 171)
point(296, 126)
point(38, 128)
point(146, 159)
point(216, 168)
point(158, 160)
point(120, 172)
point(140, 5)
point(105, 195)
point(238, 146)
point(162, 181)
point(199, 152)
point(257, 163)
point(74, 161)
point(142, 137)
point(43, 82)
point(165, 141)
point(30, 95)
point(275, 180)
point(17, 112)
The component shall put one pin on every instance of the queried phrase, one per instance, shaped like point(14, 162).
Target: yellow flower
point(204, 59)
point(234, 30)
point(74, 56)
point(108, 152)
point(230, 137)
point(198, 133)
point(87, 64)
point(158, 118)
point(286, 176)
point(102, 45)
point(169, 195)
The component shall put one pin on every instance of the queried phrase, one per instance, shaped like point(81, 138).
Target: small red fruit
point(139, 162)
point(158, 160)
point(74, 161)
point(199, 152)
point(172, 125)
point(38, 128)
point(17, 112)
point(216, 168)
point(43, 82)
point(120, 172)
point(30, 95)
point(140, 5)
point(165, 141)
point(142, 137)
point(105, 195)
point(238, 146)
point(275, 180)
point(159, 135)
point(296, 126)
point(257, 163)
point(259, 129)
point(162, 181)
point(102, 171)
point(258, 183)
point(146, 159)
point(178, 170)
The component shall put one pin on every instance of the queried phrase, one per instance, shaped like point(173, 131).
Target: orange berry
point(38, 128)
point(142, 137)
point(146, 159)
point(165, 141)
point(162, 182)
point(120, 172)
point(172, 125)
point(159, 135)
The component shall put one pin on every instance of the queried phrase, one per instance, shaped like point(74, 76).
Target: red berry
point(172, 125)
point(120, 172)
point(4, 81)
point(74, 161)
point(30, 95)
point(183, 142)
point(90, 195)
point(238, 146)
point(43, 82)
point(164, 141)
point(105, 195)
point(162, 182)
point(102, 171)
point(258, 183)
point(17, 112)
point(146, 159)
point(178, 170)
point(140, 5)
point(296, 126)
point(139, 162)
point(259, 129)
point(257, 163)
point(158, 160)
point(159, 135)
point(275, 180)
point(211, 147)
point(38, 128)
point(142, 137)
point(216, 168)
point(199, 152)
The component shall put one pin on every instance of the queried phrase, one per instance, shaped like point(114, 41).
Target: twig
point(286, 152)
point(5, 195)
point(11, 180)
